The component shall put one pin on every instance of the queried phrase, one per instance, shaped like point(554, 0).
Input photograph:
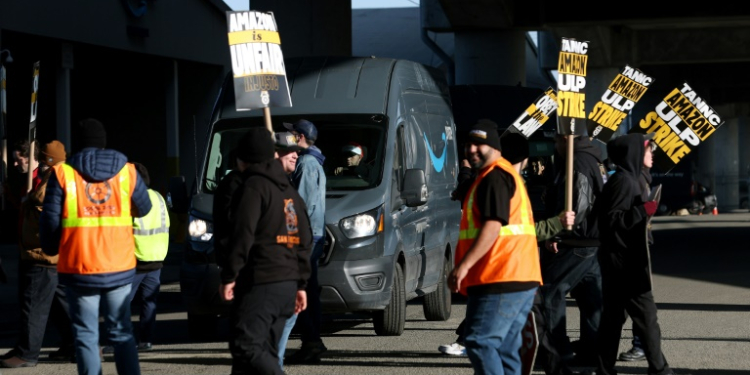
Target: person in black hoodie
point(636, 353)
point(626, 272)
point(569, 263)
point(265, 267)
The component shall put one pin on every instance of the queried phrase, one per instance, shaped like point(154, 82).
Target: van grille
point(327, 248)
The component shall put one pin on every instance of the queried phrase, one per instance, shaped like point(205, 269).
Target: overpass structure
point(516, 43)
point(178, 52)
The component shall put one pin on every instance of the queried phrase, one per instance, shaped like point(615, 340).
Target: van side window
point(398, 169)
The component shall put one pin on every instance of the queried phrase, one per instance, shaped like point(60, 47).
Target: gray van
point(391, 233)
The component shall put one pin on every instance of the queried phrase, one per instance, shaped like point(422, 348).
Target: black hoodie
point(622, 217)
point(271, 235)
point(588, 180)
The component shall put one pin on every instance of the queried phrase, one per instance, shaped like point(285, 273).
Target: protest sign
point(3, 136)
point(617, 101)
point(32, 122)
point(571, 87)
point(536, 114)
point(680, 123)
point(257, 61)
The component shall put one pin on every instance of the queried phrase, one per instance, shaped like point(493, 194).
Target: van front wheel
point(390, 322)
point(437, 305)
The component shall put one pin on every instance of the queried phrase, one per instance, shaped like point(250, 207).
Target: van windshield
point(352, 147)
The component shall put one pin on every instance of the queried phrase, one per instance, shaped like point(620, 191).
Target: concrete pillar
point(490, 57)
point(308, 29)
point(744, 155)
point(62, 93)
point(720, 169)
point(173, 120)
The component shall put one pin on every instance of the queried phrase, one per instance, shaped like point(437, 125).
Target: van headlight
point(200, 230)
point(364, 224)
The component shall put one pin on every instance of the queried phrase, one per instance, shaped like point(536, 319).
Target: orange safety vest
point(97, 228)
point(514, 255)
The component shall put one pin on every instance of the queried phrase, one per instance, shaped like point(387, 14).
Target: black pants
point(257, 320)
point(41, 298)
point(618, 303)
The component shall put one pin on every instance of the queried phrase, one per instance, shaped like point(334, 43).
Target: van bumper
point(199, 283)
point(356, 285)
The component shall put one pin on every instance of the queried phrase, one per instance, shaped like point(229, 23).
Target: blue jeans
point(311, 318)
point(575, 271)
point(148, 283)
point(288, 326)
point(42, 298)
point(85, 304)
point(493, 331)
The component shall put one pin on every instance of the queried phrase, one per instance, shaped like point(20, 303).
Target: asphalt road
point(702, 288)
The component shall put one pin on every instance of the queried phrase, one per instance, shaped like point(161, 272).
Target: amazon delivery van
point(391, 228)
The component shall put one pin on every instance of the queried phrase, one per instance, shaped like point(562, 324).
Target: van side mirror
point(177, 197)
point(415, 188)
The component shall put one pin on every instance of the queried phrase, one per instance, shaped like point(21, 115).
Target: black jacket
point(271, 236)
point(222, 209)
point(623, 255)
point(588, 180)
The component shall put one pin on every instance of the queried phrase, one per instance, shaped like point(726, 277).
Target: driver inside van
point(353, 155)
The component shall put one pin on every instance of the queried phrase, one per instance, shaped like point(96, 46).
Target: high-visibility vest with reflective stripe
point(97, 227)
point(151, 232)
point(514, 255)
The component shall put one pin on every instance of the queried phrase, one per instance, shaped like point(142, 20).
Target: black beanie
point(515, 147)
point(485, 132)
point(256, 146)
point(92, 134)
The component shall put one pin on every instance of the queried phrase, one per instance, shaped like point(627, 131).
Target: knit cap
point(53, 153)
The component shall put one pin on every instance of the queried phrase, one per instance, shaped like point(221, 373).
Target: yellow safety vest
point(151, 232)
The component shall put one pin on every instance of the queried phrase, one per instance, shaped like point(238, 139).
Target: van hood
point(344, 203)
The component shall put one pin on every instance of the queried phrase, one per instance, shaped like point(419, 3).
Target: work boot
point(15, 362)
point(309, 353)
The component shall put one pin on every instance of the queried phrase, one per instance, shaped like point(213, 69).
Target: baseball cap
point(515, 147)
point(305, 128)
point(286, 141)
point(352, 148)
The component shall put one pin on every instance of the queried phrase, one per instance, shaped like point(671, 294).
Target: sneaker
point(309, 353)
point(11, 353)
point(453, 349)
point(145, 346)
point(634, 354)
point(15, 362)
point(65, 354)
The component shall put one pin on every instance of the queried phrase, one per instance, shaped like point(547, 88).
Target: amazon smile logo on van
point(437, 162)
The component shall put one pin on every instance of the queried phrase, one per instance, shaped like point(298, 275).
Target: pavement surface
point(702, 288)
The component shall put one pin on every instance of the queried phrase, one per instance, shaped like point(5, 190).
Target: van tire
point(437, 304)
point(391, 320)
